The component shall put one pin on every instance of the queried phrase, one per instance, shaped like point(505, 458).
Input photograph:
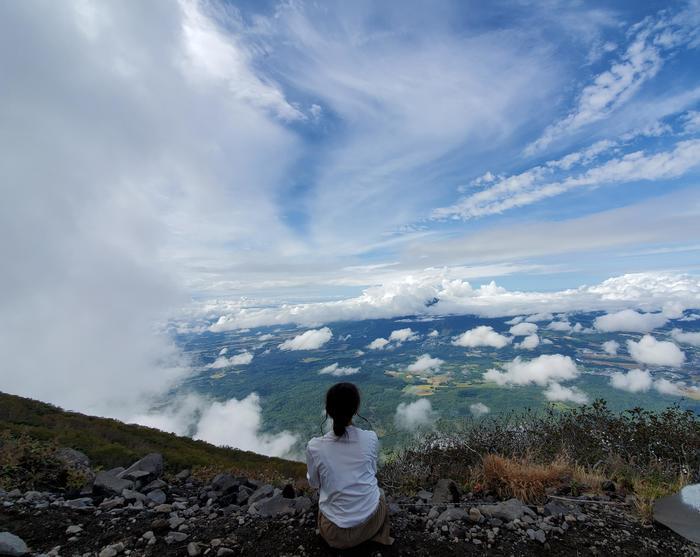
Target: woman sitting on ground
point(343, 464)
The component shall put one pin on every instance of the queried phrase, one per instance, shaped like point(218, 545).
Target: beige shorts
point(375, 528)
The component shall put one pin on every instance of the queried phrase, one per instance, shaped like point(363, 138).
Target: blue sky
point(419, 132)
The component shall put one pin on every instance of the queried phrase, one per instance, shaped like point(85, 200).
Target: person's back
point(345, 469)
point(343, 465)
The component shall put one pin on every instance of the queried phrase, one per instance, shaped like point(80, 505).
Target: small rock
point(182, 475)
point(150, 466)
point(445, 492)
point(157, 496)
point(112, 550)
point(155, 484)
point(12, 545)
point(475, 515)
point(261, 493)
point(164, 508)
point(224, 552)
point(175, 537)
point(74, 529)
point(452, 515)
point(193, 549)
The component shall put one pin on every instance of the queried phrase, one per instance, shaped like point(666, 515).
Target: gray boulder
point(507, 510)
point(279, 505)
point(155, 484)
point(157, 496)
point(445, 492)
point(261, 493)
point(224, 484)
point(149, 467)
point(109, 483)
point(12, 545)
point(73, 458)
point(452, 515)
point(244, 493)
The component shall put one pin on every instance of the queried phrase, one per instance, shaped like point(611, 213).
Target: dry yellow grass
point(522, 478)
point(646, 491)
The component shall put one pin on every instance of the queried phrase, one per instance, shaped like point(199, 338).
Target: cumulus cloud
point(308, 340)
point(656, 353)
point(479, 409)
point(266, 337)
point(378, 344)
point(561, 326)
point(530, 342)
point(242, 359)
point(611, 347)
point(540, 371)
point(223, 351)
point(237, 423)
point(481, 336)
point(634, 381)
point(410, 416)
point(425, 364)
point(408, 296)
point(433, 334)
point(523, 329)
point(685, 338)
point(537, 317)
point(630, 321)
point(557, 392)
point(338, 371)
point(666, 387)
point(233, 423)
point(403, 335)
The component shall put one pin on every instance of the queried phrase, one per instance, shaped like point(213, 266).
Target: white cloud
point(530, 342)
point(266, 337)
point(336, 370)
point(425, 364)
point(634, 381)
point(308, 340)
point(653, 39)
point(237, 423)
point(408, 296)
point(242, 359)
point(611, 347)
point(233, 423)
point(654, 352)
point(685, 338)
point(403, 335)
point(433, 334)
point(561, 326)
point(557, 392)
point(666, 387)
point(411, 416)
point(481, 336)
point(543, 182)
point(540, 371)
point(378, 344)
point(515, 320)
point(537, 317)
point(479, 409)
point(630, 321)
point(223, 351)
point(523, 329)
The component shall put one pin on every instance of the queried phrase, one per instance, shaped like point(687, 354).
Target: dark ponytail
point(342, 403)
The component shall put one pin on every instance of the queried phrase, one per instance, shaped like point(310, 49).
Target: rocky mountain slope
point(135, 512)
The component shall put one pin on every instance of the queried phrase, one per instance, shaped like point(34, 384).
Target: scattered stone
point(182, 475)
point(112, 550)
point(164, 508)
point(155, 484)
point(150, 466)
point(288, 492)
point(261, 493)
point(475, 515)
point(507, 510)
point(110, 484)
point(74, 529)
point(175, 537)
point(12, 545)
point(193, 549)
point(278, 505)
point(453, 514)
point(157, 496)
point(445, 492)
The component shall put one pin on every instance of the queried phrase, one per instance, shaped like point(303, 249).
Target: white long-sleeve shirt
point(345, 468)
